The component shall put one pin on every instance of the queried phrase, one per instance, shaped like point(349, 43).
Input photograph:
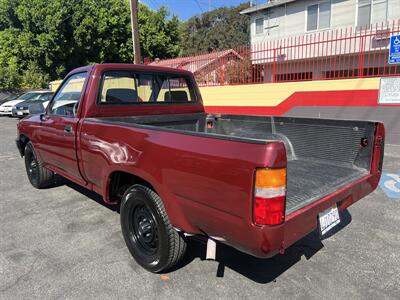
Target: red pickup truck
point(139, 136)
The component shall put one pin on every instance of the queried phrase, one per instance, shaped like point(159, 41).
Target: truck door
point(56, 137)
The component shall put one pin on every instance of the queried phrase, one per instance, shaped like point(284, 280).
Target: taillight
point(269, 196)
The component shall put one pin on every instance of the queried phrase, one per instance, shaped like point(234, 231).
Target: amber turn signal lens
point(270, 178)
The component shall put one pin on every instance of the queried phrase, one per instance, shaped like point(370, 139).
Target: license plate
point(328, 219)
point(20, 113)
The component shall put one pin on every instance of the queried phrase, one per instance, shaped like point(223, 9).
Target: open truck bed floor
point(323, 155)
point(309, 181)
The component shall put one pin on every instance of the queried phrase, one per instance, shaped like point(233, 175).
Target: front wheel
point(148, 234)
point(38, 176)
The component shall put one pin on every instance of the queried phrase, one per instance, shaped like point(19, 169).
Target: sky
point(185, 9)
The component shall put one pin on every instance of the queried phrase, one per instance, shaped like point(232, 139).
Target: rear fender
point(175, 214)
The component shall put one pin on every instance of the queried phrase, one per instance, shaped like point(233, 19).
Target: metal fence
point(333, 54)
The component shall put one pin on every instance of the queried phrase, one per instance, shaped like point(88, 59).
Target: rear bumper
point(5, 112)
point(304, 221)
point(267, 241)
point(20, 112)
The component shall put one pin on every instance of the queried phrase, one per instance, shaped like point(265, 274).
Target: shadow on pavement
point(59, 181)
point(263, 270)
point(256, 269)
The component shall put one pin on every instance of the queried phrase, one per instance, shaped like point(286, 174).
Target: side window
point(259, 25)
point(312, 17)
point(66, 100)
point(319, 16)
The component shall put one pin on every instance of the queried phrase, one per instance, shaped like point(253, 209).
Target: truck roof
point(122, 66)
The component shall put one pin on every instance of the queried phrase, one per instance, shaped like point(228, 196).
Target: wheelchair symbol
point(396, 41)
point(390, 184)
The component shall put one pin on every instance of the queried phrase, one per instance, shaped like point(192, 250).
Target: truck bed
point(309, 181)
point(323, 155)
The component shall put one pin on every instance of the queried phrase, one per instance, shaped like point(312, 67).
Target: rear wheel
point(148, 234)
point(38, 176)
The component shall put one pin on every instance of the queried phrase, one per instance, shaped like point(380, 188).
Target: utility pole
point(135, 31)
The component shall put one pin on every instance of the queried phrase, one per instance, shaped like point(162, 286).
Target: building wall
point(290, 19)
point(334, 99)
point(274, 94)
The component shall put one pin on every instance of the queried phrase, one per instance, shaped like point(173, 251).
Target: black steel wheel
point(149, 236)
point(32, 167)
point(38, 176)
point(144, 230)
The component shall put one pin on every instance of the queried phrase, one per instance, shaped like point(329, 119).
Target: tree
point(8, 16)
point(160, 37)
point(9, 73)
point(221, 28)
point(44, 39)
point(34, 77)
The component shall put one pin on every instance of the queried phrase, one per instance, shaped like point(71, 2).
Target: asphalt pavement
point(63, 242)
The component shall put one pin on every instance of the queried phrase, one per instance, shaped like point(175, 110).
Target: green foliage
point(9, 74)
point(42, 40)
point(8, 16)
point(221, 28)
point(159, 36)
point(34, 77)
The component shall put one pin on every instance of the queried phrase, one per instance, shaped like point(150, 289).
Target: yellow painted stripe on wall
point(271, 94)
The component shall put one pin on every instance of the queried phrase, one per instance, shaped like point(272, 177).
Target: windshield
point(28, 96)
point(40, 97)
point(13, 97)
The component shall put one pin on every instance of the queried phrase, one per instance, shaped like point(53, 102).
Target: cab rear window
point(124, 87)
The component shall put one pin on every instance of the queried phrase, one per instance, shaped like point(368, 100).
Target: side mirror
point(36, 109)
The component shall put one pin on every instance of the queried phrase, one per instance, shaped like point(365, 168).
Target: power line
point(198, 4)
point(155, 3)
point(71, 15)
point(209, 4)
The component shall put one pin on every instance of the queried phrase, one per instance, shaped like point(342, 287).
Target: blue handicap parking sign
point(390, 184)
point(394, 49)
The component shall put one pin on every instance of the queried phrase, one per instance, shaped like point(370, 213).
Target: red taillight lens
point(269, 196)
point(269, 211)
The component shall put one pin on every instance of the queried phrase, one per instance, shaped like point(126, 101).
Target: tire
point(38, 176)
point(148, 234)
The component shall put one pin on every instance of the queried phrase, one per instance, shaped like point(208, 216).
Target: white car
point(7, 107)
point(22, 109)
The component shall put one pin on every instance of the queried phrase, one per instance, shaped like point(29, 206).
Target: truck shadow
point(89, 194)
point(264, 270)
point(256, 269)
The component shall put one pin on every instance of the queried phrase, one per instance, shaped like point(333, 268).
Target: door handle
point(68, 129)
